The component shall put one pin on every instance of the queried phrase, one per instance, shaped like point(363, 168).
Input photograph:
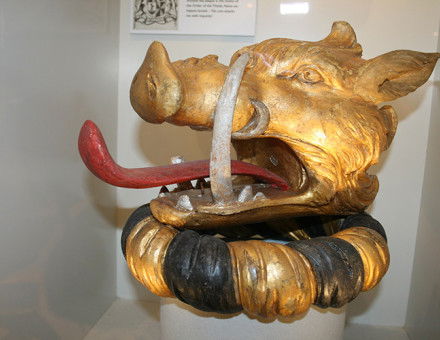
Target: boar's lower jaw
point(253, 201)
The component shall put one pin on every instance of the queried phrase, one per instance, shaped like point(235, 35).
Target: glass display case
point(62, 273)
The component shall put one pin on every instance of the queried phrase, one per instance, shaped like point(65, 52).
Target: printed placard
point(204, 17)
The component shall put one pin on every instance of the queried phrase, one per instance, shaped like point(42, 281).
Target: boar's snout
point(185, 92)
point(156, 91)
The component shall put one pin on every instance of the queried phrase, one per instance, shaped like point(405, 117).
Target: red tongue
point(96, 157)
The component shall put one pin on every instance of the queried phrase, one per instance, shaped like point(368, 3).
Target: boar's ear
point(342, 36)
point(394, 74)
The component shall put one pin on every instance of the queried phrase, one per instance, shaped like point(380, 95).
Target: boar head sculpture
point(305, 122)
point(323, 128)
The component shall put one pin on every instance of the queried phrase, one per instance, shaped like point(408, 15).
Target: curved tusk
point(220, 162)
point(258, 123)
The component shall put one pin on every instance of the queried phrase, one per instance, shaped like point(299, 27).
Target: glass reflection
point(287, 8)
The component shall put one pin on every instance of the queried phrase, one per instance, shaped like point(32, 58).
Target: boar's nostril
point(258, 123)
point(156, 90)
point(151, 87)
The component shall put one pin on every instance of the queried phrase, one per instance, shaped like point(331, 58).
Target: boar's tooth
point(220, 161)
point(259, 195)
point(245, 194)
point(177, 160)
point(184, 186)
point(184, 202)
point(201, 184)
point(257, 124)
point(163, 190)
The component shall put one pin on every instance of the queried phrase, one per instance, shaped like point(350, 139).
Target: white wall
point(58, 67)
point(381, 26)
point(423, 315)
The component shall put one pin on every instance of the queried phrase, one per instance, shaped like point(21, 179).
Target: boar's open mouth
point(268, 174)
point(252, 200)
point(272, 178)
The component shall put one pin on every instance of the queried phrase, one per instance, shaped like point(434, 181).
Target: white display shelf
point(133, 320)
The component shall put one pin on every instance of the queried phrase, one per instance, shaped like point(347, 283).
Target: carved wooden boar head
point(306, 113)
point(324, 129)
point(306, 125)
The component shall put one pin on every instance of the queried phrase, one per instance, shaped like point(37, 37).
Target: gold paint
point(288, 228)
point(146, 248)
point(324, 133)
point(373, 250)
point(325, 127)
point(271, 279)
point(299, 235)
point(156, 91)
point(330, 225)
point(165, 211)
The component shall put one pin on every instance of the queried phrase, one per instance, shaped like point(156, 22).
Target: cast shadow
point(362, 303)
point(286, 320)
point(102, 197)
point(404, 107)
point(161, 142)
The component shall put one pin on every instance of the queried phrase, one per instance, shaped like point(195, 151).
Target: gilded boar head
point(306, 111)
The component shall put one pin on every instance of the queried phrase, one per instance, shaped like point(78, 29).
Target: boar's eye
point(305, 74)
point(309, 75)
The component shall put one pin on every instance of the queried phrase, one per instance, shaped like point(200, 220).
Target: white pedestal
point(181, 322)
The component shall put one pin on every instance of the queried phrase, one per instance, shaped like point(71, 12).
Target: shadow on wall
point(404, 108)
point(362, 303)
point(102, 197)
point(286, 320)
point(43, 297)
point(161, 142)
